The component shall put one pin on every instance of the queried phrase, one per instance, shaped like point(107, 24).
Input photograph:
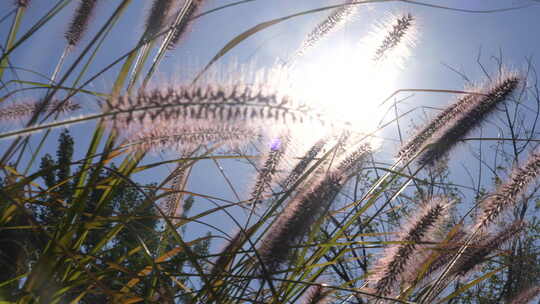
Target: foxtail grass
point(480, 108)
point(355, 160)
point(210, 107)
point(396, 258)
point(395, 36)
point(422, 137)
point(295, 221)
point(477, 252)
point(158, 16)
point(266, 176)
point(173, 205)
point(23, 110)
point(303, 164)
point(79, 23)
point(333, 22)
point(432, 259)
point(508, 193)
point(186, 138)
point(182, 28)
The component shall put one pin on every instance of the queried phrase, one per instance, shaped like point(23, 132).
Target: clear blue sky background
point(446, 37)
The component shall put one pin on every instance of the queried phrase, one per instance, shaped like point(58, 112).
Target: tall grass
point(327, 217)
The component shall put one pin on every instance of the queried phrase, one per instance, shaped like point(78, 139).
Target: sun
point(347, 88)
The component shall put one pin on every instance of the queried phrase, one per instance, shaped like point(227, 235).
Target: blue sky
point(447, 38)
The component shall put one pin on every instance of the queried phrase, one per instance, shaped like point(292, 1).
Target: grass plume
point(337, 19)
point(419, 140)
point(267, 173)
point(239, 106)
point(395, 36)
point(508, 193)
point(23, 110)
point(396, 258)
point(355, 160)
point(79, 23)
point(295, 221)
point(302, 165)
point(158, 16)
point(186, 138)
point(182, 28)
point(478, 251)
point(481, 107)
point(174, 202)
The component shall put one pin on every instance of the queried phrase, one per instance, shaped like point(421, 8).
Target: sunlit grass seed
point(473, 116)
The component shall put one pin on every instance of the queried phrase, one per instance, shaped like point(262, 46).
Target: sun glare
point(347, 87)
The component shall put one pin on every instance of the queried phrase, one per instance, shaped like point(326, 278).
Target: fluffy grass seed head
point(333, 22)
point(158, 16)
point(240, 106)
point(182, 28)
point(79, 23)
point(295, 221)
point(395, 35)
point(354, 161)
point(187, 138)
point(508, 193)
point(173, 204)
point(393, 39)
point(481, 106)
point(303, 164)
point(396, 258)
point(476, 253)
point(419, 140)
point(226, 254)
point(434, 257)
point(19, 111)
point(266, 175)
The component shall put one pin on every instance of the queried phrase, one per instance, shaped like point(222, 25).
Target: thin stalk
point(166, 41)
point(44, 137)
point(11, 38)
